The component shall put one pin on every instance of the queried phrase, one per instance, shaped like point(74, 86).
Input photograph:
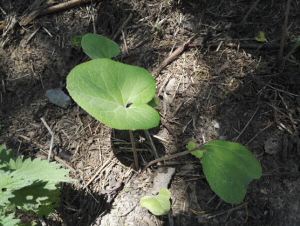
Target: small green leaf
point(229, 167)
point(98, 46)
point(191, 145)
point(18, 175)
point(76, 40)
point(114, 93)
point(260, 36)
point(158, 205)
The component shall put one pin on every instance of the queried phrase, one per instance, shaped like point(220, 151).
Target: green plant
point(76, 40)
point(114, 93)
point(260, 36)
point(228, 166)
point(158, 205)
point(31, 187)
point(160, 29)
point(98, 46)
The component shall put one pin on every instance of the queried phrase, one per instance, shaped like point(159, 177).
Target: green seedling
point(76, 40)
point(98, 46)
point(160, 29)
point(158, 205)
point(31, 187)
point(229, 167)
point(114, 93)
point(260, 36)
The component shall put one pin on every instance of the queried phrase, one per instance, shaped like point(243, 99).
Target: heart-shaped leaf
point(98, 46)
point(191, 145)
point(158, 205)
point(114, 93)
point(229, 167)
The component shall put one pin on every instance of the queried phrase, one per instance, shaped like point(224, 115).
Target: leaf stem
point(134, 151)
point(171, 157)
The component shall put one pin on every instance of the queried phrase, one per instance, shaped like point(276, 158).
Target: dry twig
point(122, 27)
point(235, 139)
point(52, 9)
point(52, 137)
point(168, 60)
point(99, 171)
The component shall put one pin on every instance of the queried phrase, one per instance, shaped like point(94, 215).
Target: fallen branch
point(51, 9)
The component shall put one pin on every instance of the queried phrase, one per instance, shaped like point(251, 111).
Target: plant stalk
point(136, 162)
point(287, 11)
point(171, 157)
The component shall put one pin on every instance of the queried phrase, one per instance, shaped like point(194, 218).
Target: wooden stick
point(63, 6)
point(51, 9)
point(168, 60)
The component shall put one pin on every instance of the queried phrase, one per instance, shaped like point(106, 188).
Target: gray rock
point(58, 97)
point(272, 146)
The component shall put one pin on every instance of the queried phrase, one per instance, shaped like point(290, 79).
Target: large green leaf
point(98, 46)
point(229, 167)
point(30, 185)
point(36, 198)
point(158, 205)
point(5, 156)
point(114, 93)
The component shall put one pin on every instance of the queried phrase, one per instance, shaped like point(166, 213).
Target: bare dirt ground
point(224, 85)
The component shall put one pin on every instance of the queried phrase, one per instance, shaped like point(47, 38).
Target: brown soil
point(224, 85)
